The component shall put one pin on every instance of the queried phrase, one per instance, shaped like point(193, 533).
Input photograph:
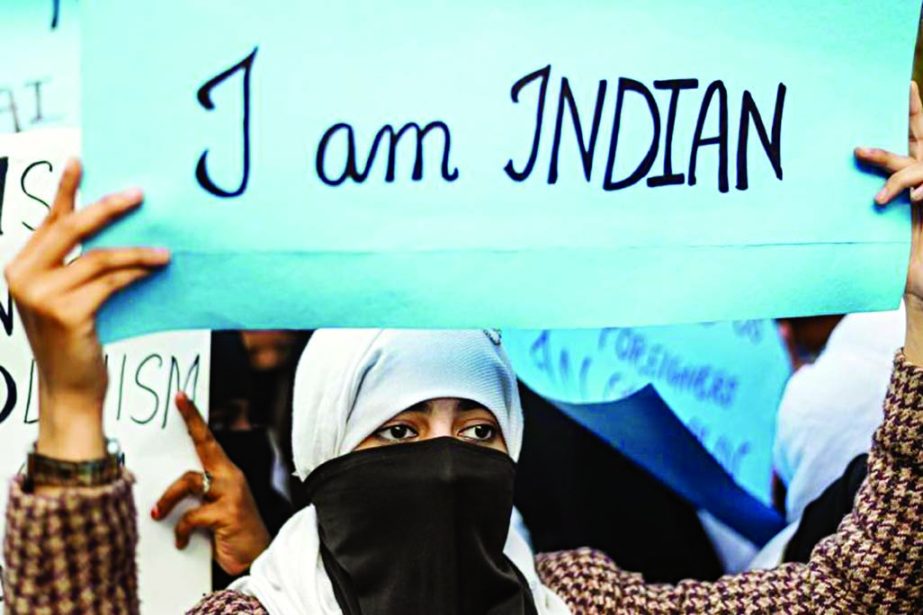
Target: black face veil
point(419, 529)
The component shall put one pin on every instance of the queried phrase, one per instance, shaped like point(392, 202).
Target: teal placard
point(250, 126)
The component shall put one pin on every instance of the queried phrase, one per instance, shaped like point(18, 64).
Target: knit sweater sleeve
point(873, 564)
point(72, 552)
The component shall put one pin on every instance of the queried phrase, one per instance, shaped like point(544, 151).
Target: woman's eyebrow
point(468, 405)
point(422, 407)
point(426, 407)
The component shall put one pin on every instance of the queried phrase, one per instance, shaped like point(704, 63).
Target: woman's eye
point(479, 432)
point(396, 433)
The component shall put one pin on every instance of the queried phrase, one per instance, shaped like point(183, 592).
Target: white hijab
point(347, 384)
point(831, 408)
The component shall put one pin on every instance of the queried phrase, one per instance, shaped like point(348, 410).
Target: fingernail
point(881, 196)
point(155, 513)
point(862, 151)
point(71, 164)
point(916, 194)
point(132, 194)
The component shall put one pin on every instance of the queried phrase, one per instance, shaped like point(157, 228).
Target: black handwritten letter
point(350, 170)
point(204, 96)
point(4, 168)
point(448, 175)
point(37, 86)
point(188, 386)
point(10, 402)
point(22, 185)
point(6, 314)
point(543, 74)
point(669, 178)
point(118, 412)
point(772, 147)
point(630, 85)
point(586, 150)
point(11, 107)
point(26, 419)
point(150, 390)
point(55, 13)
point(721, 140)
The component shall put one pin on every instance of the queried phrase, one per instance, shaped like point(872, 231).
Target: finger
point(207, 448)
point(190, 484)
point(205, 516)
point(66, 195)
point(66, 232)
point(916, 122)
point(883, 159)
point(910, 177)
point(97, 262)
point(88, 298)
point(30, 255)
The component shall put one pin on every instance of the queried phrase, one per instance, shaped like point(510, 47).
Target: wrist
point(76, 441)
point(70, 429)
point(913, 341)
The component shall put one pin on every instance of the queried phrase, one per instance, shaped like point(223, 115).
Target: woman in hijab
point(420, 527)
point(386, 521)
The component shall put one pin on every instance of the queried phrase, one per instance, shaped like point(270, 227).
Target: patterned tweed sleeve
point(228, 602)
point(74, 554)
point(873, 564)
point(71, 553)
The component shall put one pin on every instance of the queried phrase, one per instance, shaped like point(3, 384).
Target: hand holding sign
point(906, 173)
point(143, 375)
point(229, 510)
point(58, 304)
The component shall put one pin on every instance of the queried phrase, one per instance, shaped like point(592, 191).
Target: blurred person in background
point(827, 418)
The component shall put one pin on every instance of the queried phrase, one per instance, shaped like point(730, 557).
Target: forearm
point(874, 563)
point(71, 551)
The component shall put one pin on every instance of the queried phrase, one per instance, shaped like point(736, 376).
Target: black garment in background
point(271, 404)
point(823, 516)
point(252, 452)
point(230, 380)
point(263, 400)
point(574, 490)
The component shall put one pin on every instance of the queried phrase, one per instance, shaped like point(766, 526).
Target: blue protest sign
point(723, 381)
point(39, 64)
point(445, 164)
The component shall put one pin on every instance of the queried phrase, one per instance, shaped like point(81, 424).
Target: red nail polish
point(155, 514)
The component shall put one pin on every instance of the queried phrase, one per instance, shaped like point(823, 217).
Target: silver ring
point(206, 483)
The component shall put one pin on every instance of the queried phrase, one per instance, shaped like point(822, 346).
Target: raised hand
point(228, 509)
point(58, 302)
point(906, 173)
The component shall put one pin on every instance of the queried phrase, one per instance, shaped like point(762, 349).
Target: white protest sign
point(39, 74)
point(144, 375)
